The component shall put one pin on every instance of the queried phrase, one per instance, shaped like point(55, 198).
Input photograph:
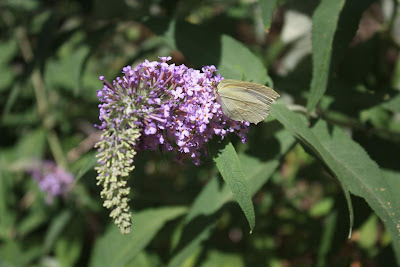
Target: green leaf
point(297, 125)
point(46, 37)
point(144, 259)
point(369, 233)
point(115, 249)
point(350, 164)
point(325, 19)
point(8, 49)
point(267, 11)
point(12, 97)
point(22, 4)
point(327, 238)
point(238, 62)
point(210, 199)
point(232, 58)
point(29, 147)
point(190, 250)
point(31, 222)
point(396, 75)
point(228, 164)
point(7, 52)
point(393, 104)
point(67, 72)
point(393, 179)
point(6, 79)
point(213, 197)
point(11, 254)
point(55, 230)
point(83, 165)
point(322, 207)
point(377, 116)
point(70, 244)
point(217, 258)
point(7, 206)
point(347, 27)
point(67, 252)
point(362, 177)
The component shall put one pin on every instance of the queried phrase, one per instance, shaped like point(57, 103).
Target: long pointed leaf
point(229, 166)
point(297, 125)
point(362, 177)
point(212, 198)
point(267, 11)
point(324, 20)
point(350, 163)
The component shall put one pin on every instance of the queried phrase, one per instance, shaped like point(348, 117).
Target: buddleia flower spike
point(155, 105)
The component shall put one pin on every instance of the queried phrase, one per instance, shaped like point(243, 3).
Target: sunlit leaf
point(230, 168)
point(238, 62)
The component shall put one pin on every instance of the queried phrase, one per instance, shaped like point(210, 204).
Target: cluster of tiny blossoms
point(52, 180)
point(155, 105)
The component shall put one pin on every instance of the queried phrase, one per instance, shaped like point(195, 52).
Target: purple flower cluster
point(154, 105)
point(52, 179)
point(175, 107)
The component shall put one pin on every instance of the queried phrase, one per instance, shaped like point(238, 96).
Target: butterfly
point(245, 101)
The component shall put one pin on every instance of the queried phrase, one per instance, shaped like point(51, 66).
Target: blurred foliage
point(326, 161)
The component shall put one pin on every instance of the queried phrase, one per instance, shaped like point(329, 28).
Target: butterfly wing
point(262, 92)
point(235, 108)
point(245, 101)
